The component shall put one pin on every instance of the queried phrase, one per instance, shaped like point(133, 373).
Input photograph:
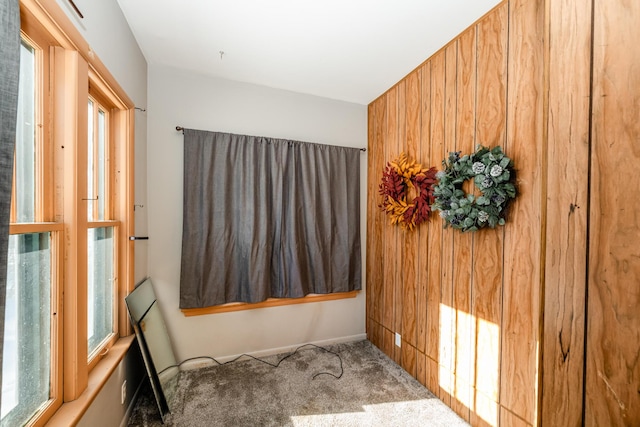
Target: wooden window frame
point(70, 72)
point(271, 302)
point(103, 102)
point(44, 215)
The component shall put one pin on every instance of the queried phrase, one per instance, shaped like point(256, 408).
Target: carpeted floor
point(373, 391)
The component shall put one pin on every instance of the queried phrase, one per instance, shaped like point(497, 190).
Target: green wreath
point(492, 173)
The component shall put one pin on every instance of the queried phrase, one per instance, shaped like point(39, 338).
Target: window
point(24, 175)
point(31, 330)
point(100, 305)
point(70, 215)
point(26, 367)
point(101, 271)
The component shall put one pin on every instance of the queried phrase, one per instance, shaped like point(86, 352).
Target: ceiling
point(350, 50)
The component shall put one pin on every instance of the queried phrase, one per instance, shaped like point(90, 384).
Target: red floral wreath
point(403, 179)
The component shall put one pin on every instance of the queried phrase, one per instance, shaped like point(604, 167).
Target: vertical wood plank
point(379, 333)
point(463, 354)
point(372, 244)
point(524, 231)
point(423, 233)
point(486, 307)
point(509, 419)
point(390, 152)
point(613, 337)
point(486, 412)
point(432, 375)
point(401, 234)
point(410, 253)
point(447, 311)
point(409, 358)
point(376, 217)
point(435, 227)
point(421, 368)
point(567, 208)
point(387, 342)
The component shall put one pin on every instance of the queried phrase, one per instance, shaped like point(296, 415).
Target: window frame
point(39, 39)
point(70, 72)
point(101, 102)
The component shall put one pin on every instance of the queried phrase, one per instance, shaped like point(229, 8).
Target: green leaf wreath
point(492, 173)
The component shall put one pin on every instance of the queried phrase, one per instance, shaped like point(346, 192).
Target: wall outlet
point(123, 392)
point(398, 340)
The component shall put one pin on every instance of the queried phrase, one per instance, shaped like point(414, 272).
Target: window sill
point(70, 413)
point(271, 302)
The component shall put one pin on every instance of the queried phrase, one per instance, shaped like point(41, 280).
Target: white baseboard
point(201, 363)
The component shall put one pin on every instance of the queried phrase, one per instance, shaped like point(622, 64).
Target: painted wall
point(194, 101)
point(107, 32)
point(131, 370)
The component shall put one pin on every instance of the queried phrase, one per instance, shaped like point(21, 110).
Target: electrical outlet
point(123, 392)
point(398, 340)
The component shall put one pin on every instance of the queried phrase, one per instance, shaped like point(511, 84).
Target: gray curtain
point(267, 218)
point(9, 72)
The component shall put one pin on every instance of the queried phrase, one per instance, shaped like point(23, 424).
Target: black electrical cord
point(275, 365)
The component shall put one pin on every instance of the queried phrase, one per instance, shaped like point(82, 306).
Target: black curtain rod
point(181, 129)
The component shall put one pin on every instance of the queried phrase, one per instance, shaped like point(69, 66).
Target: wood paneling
point(411, 241)
point(447, 311)
point(463, 350)
point(423, 232)
point(435, 228)
point(486, 306)
point(399, 284)
point(376, 240)
point(511, 420)
point(523, 235)
point(372, 240)
point(613, 328)
point(569, 74)
point(450, 304)
point(494, 322)
point(390, 149)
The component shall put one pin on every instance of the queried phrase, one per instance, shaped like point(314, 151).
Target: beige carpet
point(373, 391)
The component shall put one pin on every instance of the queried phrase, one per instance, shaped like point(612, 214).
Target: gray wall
point(200, 102)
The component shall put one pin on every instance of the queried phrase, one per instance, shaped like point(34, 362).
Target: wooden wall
point(613, 336)
point(467, 306)
point(495, 322)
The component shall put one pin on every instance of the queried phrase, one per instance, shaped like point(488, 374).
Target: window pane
point(100, 285)
point(96, 161)
point(26, 369)
point(90, 164)
point(101, 159)
point(25, 137)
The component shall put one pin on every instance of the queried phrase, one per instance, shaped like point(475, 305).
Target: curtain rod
point(181, 129)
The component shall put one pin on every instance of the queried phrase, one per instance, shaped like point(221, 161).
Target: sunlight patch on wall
point(469, 368)
point(464, 357)
point(446, 348)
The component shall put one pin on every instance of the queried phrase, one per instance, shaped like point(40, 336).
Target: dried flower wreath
point(407, 192)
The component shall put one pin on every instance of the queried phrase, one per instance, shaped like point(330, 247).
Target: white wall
point(107, 409)
point(198, 102)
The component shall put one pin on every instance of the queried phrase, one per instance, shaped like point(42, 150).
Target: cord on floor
point(266, 362)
